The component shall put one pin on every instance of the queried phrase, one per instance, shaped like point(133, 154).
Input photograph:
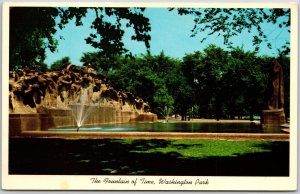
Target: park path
point(157, 135)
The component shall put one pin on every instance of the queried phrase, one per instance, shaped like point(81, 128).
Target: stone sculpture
point(29, 90)
point(274, 116)
point(277, 99)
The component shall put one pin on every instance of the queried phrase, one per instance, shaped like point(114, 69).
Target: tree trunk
point(251, 116)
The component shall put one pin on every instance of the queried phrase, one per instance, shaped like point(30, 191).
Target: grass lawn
point(148, 157)
point(193, 148)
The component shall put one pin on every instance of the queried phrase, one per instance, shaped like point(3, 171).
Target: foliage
point(41, 67)
point(251, 81)
point(58, 65)
point(147, 76)
point(210, 75)
point(162, 97)
point(31, 32)
point(108, 26)
point(102, 62)
point(211, 84)
point(229, 22)
point(184, 97)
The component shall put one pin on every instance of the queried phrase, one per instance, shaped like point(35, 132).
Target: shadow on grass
point(109, 157)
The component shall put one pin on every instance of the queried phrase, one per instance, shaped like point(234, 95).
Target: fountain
point(72, 97)
point(165, 112)
point(81, 110)
point(77, 97)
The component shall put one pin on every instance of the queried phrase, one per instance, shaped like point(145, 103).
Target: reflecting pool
point(188, 127)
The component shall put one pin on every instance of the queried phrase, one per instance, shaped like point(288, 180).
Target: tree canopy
point(101, 61)
point(109, 26)
point(32, 31)
point(58, 65)
point(230, 22)
point(211, 84)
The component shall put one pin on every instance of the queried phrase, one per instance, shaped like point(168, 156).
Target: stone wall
point(273, 118)
point(27, 122)
point(60, 118)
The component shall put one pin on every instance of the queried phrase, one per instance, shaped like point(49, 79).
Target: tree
point(163, 98)
point(229, 22)
point(108, 26)
point(30, 33)
point(187, 93)
point(101, 62)
point(248, 80)
point(214, 83)
point(58, 65)
point(223, 84)
point(190, 63)
point(148, 77)
point(184, 96)
point(209, 74)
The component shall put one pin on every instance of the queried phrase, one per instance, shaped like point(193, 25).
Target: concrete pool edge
point(155, 135)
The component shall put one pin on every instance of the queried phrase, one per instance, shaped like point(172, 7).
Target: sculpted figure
point(110, 94)
point(146, 107)
point(277, 99)
point(130, 99)
point(139, 103)
point(64, 84)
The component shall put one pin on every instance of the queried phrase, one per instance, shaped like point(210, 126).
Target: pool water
point(188, 127)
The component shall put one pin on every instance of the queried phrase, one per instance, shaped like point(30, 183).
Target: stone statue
point(277, 99)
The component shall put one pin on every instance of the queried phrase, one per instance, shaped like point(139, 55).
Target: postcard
point(149, 96)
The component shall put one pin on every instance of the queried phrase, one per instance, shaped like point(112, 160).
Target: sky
point(170, 33)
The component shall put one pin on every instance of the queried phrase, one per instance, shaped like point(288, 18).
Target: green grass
point(205, 148)
point(42, 156)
